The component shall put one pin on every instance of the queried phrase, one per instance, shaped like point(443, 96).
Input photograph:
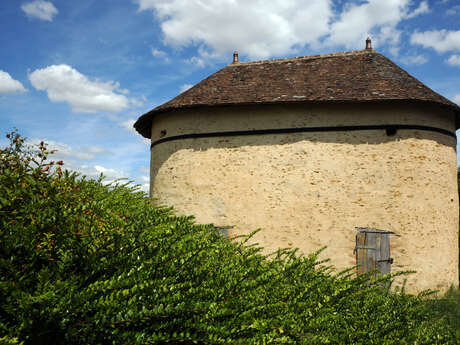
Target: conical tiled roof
point(360, 76)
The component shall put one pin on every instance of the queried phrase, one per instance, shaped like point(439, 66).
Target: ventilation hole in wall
point(391, 131)
point(162, 133)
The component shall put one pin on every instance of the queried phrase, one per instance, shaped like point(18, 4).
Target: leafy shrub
point(449, 307)
point(86, 263)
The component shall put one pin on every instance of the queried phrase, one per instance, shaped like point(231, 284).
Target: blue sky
point(78, 73)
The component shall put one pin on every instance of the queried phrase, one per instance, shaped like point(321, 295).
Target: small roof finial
point(368, 43)
point(235, 57)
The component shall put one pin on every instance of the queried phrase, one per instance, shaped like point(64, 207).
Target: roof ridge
point(306, 57)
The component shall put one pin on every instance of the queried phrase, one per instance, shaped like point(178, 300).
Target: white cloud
point(257, 28)
point(146, 185)
point(65, 84)
point(40, 9)
point(90, 152)
point(394, 50)
point(440, 40)
point(144, 170)
point(94, 171)
point(453, 10)
point(185, 87)
point(414, 59)
point(134, 102)
point(261, 29)
point(373, 17)
point(422, 9)
point(195, 60)
point(454, 60)
point(160, 54)
point(456, 99)
point(66, 153)
point(9, 85)
point(74, 159)
point(128, 124)
point(111, 174)
point(91, 161)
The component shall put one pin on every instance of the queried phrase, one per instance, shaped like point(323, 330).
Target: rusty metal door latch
point(390, 260)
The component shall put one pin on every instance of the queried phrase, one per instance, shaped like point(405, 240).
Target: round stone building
point(344, 150)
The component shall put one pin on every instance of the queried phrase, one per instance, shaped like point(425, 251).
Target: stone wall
point(310, 190)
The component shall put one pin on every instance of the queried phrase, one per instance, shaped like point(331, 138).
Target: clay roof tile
point(360, 76)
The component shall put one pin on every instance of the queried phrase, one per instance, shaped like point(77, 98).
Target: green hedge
point(86, 263)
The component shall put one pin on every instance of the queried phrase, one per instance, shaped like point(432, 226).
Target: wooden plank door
point(373, 251)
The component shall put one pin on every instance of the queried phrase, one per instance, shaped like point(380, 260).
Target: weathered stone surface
point(310, 190)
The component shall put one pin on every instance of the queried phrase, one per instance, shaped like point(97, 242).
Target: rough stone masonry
point(308, 149)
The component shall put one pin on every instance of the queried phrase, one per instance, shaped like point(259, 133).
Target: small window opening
point(162, 133)
point(373, 251)
point(391, 131)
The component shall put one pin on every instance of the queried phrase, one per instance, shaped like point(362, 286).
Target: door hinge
point(390, 260)
point(364, 247)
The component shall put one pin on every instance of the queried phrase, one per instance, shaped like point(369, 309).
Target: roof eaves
point(144, 124)
point(198, 94)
